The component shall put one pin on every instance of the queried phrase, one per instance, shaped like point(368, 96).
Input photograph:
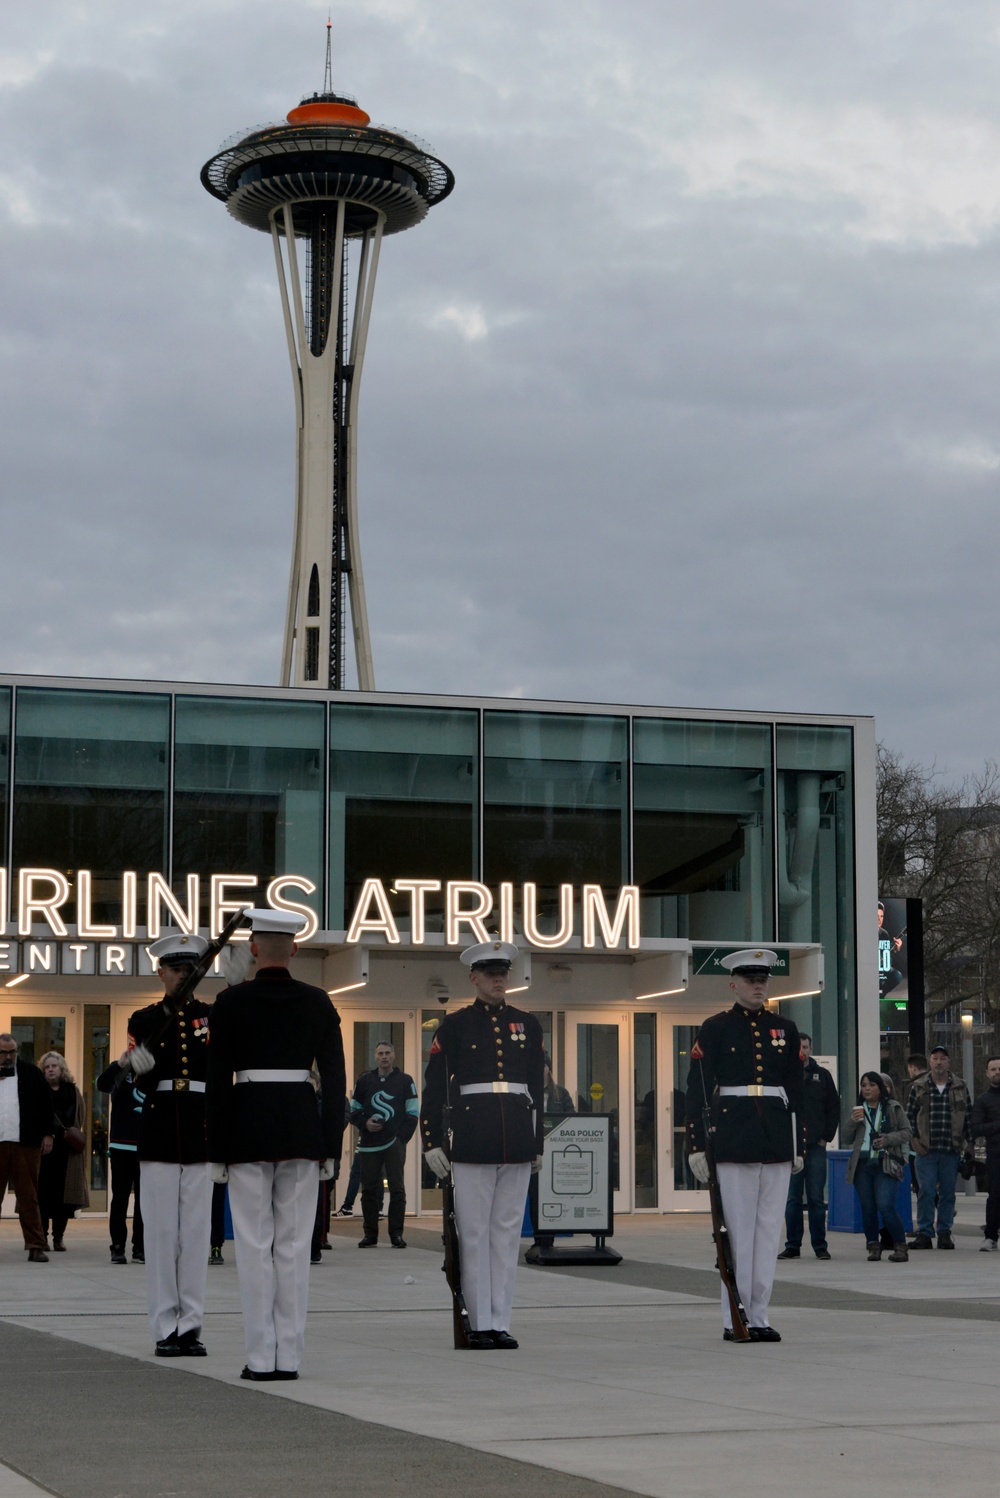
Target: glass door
point(361, 1035)
point(80, 1033)
point(596, 1061)
point(680, 1191)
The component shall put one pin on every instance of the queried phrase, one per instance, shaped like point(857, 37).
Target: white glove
point(699, 1166)
point(438, 1161)
point(798, 1164)
point(326, 1169)
point(141, 1060)
point(234, 962)
point(536, 1164)
point(219, 1172)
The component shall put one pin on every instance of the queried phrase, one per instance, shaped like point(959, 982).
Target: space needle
point(327, 185)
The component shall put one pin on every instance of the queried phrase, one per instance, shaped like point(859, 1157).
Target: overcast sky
point(687, 395)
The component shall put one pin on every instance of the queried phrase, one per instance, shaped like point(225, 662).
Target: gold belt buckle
point(180, 1084)
point(755, 1090)
point(501, 1086)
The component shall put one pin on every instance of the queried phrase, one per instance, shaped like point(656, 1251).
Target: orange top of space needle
point(327, 112)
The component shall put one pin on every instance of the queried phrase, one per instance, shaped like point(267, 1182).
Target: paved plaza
point(889, 1376)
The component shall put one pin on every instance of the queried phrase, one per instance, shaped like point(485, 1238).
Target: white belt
point(754, 1091)
point(517, 1087)
point(271, 1074)
point(179, 1084)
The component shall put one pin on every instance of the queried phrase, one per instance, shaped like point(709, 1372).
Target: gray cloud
point(685, 396)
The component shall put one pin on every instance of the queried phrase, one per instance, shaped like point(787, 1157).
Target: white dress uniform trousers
point(177, 1218)
point(274, 1209)
point(753, 1204)
point(489, 1211)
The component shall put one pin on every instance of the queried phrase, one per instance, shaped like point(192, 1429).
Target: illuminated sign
point(468, 905)
point(39, 897)
point(41, 894)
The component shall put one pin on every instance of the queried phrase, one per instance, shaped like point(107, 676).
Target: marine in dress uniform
point(268, 1138)
point(170, 1056)
point(482, 1119)
point(746, 1064)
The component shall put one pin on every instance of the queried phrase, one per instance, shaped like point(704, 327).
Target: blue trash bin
point(843, 1211)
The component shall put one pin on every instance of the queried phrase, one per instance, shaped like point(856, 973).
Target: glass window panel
point(90, 788)
point(403, 797)
point(555, 796)
point(597, 1067)
point(36, 1034)
point(644, 1073)
point(815, 813)
point(702, 829)
point(430, 1186)
point(96, 1059)
point(5, 696)
point(248, 791)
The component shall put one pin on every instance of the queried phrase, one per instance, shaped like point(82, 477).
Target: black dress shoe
point(368, 1241)
point(257, 1377)
point(284, 1375)
point(790, 1253)
point(481, 1341)
point(764, 1334)
point(169, 1347)
point(191, 1346)
point(397, 1240)
point(730, 1336)
point(503, 1339)
point(823, 1253)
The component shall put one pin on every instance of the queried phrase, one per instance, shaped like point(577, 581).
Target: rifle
point(452, 1266)
point(720, 1233)
point(174, 1003)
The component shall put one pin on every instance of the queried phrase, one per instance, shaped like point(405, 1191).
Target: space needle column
point(330, 183)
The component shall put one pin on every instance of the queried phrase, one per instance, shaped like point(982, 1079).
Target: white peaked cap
point(752, 957)
point(489, 951)
point(178, 944)
point(266, 921)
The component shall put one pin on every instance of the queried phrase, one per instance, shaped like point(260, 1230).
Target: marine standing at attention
point(268, 1138)
point(482, 1120)
point(745, 1066)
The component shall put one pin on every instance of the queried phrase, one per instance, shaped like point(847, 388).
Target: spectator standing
point(820, 1122)
point(127, 1097)
point(385, 1111)
point(916, 1066)
point(876, 1134)
point(985, 1124)
point(25, 1138)
point(62, 1179)
point(938, 1112)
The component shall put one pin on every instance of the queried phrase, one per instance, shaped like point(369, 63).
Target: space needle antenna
point(326, 185)
point(328, 73)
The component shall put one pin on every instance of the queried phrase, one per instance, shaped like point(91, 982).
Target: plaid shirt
point(940, 1117)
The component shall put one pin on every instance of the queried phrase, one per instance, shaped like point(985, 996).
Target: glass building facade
point(734, 828)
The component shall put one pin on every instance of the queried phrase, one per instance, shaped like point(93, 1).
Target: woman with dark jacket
point(877, 1134)
point(62, 1181)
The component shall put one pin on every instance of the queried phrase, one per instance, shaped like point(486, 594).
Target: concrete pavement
point(887, 1373)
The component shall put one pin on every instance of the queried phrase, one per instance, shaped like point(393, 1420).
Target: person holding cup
point(877, 1134)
